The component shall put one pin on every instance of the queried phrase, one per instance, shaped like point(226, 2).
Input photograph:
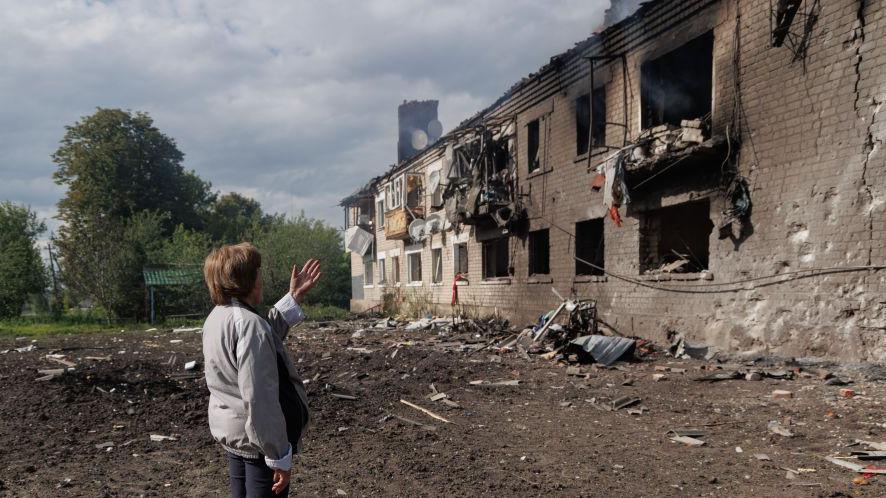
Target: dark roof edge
point(554, 64)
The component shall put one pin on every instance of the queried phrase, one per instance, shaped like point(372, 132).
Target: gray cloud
point(293, 103)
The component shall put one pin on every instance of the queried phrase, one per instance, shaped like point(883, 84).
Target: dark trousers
point(251, 478)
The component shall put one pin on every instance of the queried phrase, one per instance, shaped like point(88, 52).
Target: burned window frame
point(595, 230)
point(539, 252)
point(395, 270)
point(583, 121)
point(394, 193)
point(460, 258)
point(410, 266)
point(380, 212)
point(382, 271)
point(678, 216)
point(533, 145)
point(659, 72)
point(369, 271)
point(496, 246)
point(437, 265)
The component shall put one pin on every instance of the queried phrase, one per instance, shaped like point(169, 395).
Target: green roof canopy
point(172, 275)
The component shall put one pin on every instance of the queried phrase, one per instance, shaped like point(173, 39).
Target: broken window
point(382, 277)
point(678, 85)
point(676, 238)
point(533, 143)
point(496, 258)
point(436, 266)
point(414, 191)
point(380, 214)
point(589, 247)
point(583, 121)
point(461, 258)
point(539, 252)
point(394, 193)
point(414, 263)
point(395, 269)
point(360, 213)
point(367, 272)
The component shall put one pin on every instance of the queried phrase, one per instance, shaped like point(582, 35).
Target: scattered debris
point(753, 376)
point(762, 456)
point(686, 431)
point(775, 427)
point(106, 445)
point(624, 402)
point(869, 455)
point(425, 411)
point(871, 444)
point(856, 467)
point(847, 393)
point(604, 349)
point(160, 438)
point(26, 349)
point(49, 374)
point(191, 365)
point(782, 394)
point(680, 348)
point(409, 421)
point(493, 384)
point(719, 376)
point(687, 440)
point(188, 329)
point(659, 377)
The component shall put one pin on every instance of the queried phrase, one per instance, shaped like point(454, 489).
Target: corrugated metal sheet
point(168, 276)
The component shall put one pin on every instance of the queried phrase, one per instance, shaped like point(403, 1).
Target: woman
point(258, 409)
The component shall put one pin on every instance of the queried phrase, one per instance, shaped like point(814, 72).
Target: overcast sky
point(293, 103)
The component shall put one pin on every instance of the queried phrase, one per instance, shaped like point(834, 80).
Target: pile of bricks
point(668, 138)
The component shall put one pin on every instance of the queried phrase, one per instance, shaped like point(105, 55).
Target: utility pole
point(55, 302)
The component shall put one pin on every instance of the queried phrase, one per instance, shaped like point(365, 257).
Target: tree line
point(131, 204)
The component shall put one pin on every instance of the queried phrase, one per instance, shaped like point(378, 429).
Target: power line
point(706, 288)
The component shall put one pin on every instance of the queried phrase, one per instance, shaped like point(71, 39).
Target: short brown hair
point(231, 271)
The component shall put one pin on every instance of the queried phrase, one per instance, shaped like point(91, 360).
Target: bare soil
point(552, 434)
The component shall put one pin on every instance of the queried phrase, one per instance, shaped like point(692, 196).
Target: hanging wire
point(706, 288)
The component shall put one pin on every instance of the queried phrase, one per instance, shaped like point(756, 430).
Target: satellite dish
point(434, 180)
point(419, 139)
point(434, 223)
point(435, 130)
point(417, 230)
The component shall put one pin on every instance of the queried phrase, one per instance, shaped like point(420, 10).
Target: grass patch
point(324, 312)
point(32, 326)
point(29, 327)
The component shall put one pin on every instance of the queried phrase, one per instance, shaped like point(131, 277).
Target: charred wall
point(807, 137)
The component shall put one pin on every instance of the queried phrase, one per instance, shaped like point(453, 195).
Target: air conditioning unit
point(358, 240)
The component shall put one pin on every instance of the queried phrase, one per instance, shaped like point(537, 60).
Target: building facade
point(713, 168)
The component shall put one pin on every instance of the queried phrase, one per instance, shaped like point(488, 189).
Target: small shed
point(169, 276)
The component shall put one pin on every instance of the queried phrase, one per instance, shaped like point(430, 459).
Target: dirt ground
point(87, 432)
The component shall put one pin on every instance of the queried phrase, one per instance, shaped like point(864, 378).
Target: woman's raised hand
point(302, 281)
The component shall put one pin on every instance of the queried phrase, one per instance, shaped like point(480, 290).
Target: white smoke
point(620, 9)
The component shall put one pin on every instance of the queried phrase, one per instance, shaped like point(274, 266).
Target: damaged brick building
point(712, 168)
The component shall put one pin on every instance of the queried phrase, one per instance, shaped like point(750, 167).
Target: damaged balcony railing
point(480, 176)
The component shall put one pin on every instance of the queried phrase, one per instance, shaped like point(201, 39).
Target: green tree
point(102, 257)
point(186, 250)
point(116, 164)
point(234, 217)
point(293, 241)
point(21, 268)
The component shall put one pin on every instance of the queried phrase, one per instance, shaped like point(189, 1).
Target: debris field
point(443, 411)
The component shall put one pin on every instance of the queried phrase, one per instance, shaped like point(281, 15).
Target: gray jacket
point(240, 353)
